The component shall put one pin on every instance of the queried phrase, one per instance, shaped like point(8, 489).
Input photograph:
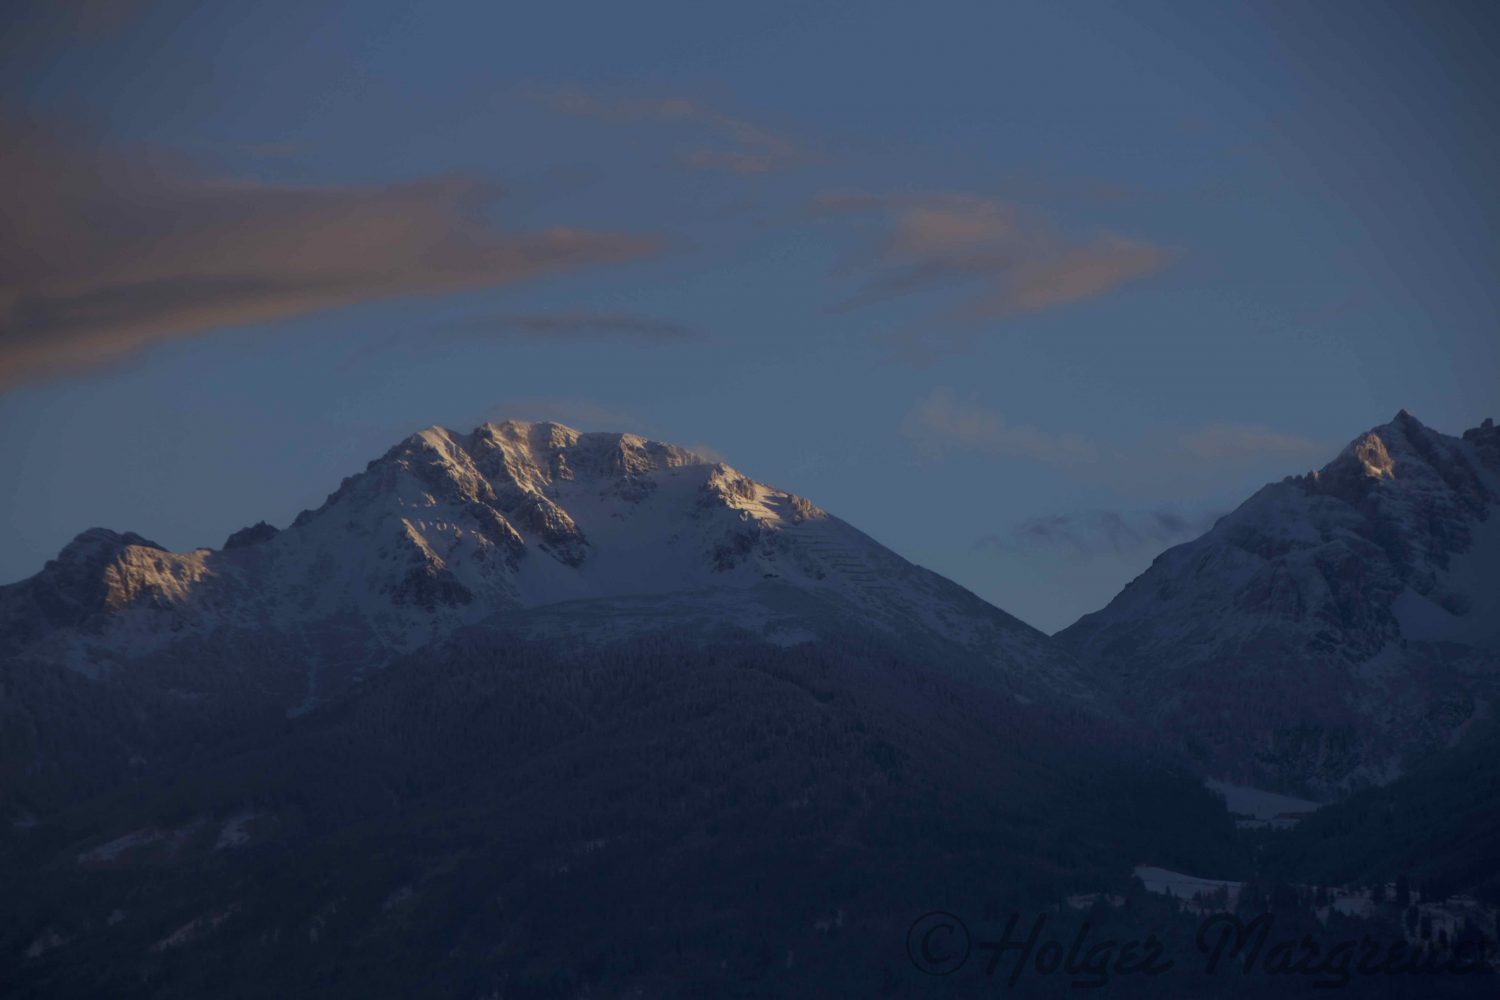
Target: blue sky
point(1026, 291)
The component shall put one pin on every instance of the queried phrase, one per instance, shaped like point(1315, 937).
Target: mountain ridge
point(1302, 616)
point(447, 724)
point(510, 515)
point(1266, 648)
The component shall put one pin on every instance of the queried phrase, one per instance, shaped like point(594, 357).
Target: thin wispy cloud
point(576, 328)
point(942, 423)
point(108, 251)
point(725, 142)
point(1248, 442)
point(1093, 534)
point(998, 258)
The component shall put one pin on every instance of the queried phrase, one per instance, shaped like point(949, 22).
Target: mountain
point(534, 529)
point(1330, 632)
point(534, 713)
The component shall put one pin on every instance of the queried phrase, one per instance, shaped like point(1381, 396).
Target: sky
point(1027, 291)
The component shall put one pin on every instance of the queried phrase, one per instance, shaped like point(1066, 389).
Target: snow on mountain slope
point(1333, 628)
point(534, 527)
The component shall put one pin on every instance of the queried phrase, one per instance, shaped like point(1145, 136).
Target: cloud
point(943, 423)
point(741, 147)
point(1072, 274)
point(107, 251)
point(708, 453)
point(1246, 444)
point(1158, 462)
point(578, 327)
point(1088, 535)
point(1008, 260)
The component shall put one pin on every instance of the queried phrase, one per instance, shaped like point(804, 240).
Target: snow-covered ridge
point(1331, 628)
point(448, 529)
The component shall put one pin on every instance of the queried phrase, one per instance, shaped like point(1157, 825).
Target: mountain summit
point(1333, 628)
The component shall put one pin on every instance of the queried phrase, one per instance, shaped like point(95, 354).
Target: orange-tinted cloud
point(578, 327)
point(941, 423)
point(1074, 273)
point(1008, 260)
point(743, 147)
point(105, 252)
point(1248, 443)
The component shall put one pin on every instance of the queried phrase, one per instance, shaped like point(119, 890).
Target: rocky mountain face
point(1333, 629)
point(535, 530)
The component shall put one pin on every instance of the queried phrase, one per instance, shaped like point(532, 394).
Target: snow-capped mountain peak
point(533, 527)
point(1333, 627)
point(1369, 454)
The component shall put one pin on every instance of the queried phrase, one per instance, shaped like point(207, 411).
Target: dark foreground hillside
point(649, 819)
point(1437, 829)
